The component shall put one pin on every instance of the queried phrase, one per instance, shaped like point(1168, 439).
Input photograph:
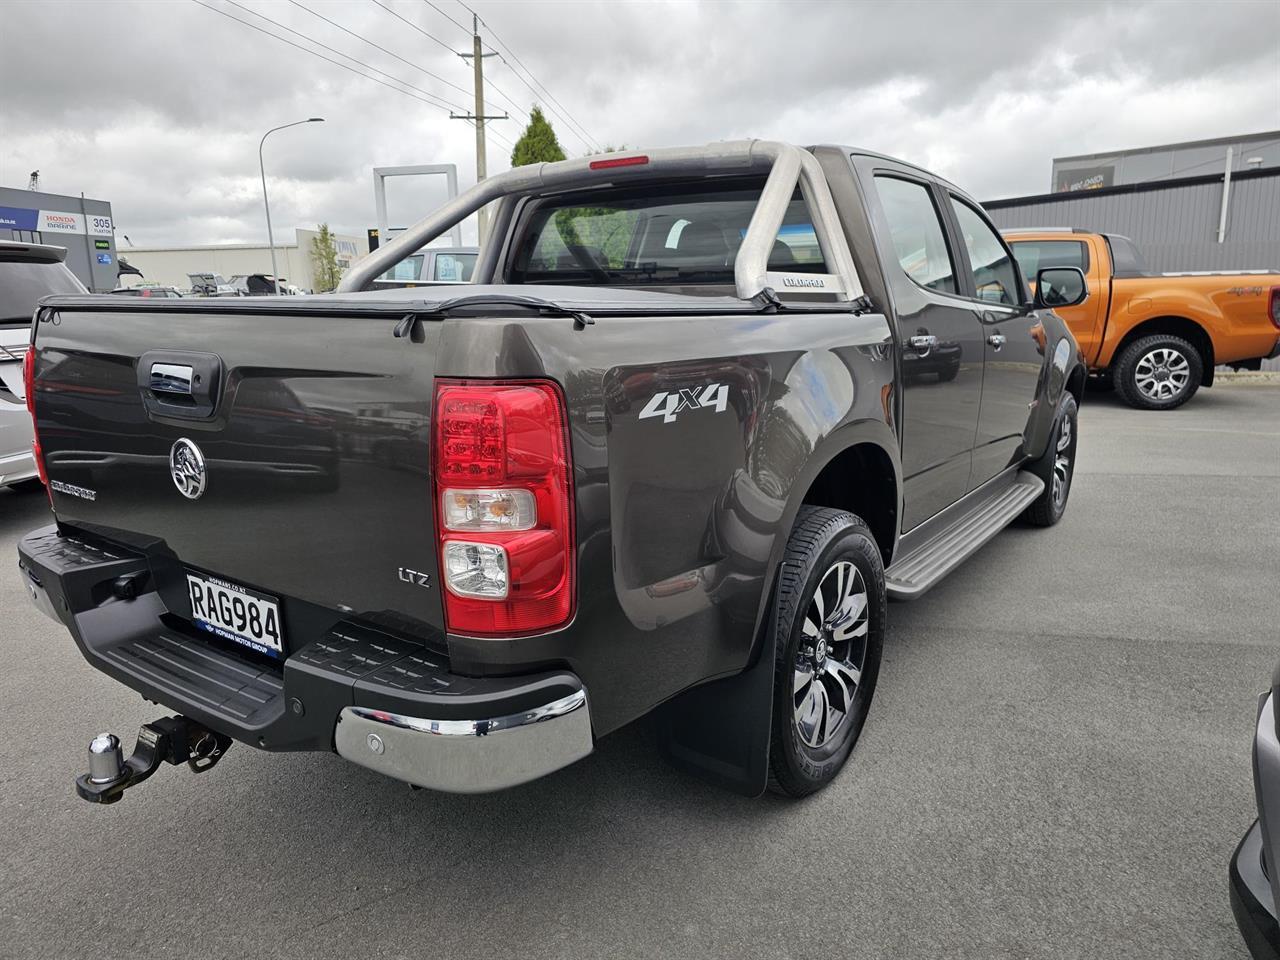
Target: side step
point(922, 566)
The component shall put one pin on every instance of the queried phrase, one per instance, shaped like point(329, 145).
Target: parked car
point(259, 285)
point(156, 290)
point(436, 265)
point(1157, 336)
point(1253, 888)
point(28, 271)
point(210, 285)
point(659, 455)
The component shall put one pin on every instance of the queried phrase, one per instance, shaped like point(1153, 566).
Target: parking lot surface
point(1056, 765)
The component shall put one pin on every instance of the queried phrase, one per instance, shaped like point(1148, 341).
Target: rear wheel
point(830, 610)
point(1159, 372)
point(28, 486)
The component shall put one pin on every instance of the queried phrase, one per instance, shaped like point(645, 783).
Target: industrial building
point(81, 225)
point(171, 265)
point(1203, 205)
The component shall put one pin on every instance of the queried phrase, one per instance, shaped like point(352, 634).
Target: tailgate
point(313, 431)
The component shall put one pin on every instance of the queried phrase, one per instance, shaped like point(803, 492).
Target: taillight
point(29, 388)
point(1275, 306)
point(504, 506)
point(29, 379)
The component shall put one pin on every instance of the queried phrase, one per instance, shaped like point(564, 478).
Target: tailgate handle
point(173, 380)
point(177, 383)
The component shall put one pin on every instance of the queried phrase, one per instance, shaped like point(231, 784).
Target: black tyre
point(947, 374)
point(1056, 467)
point(28, 486)
point(830, 610)
point(1158, 372)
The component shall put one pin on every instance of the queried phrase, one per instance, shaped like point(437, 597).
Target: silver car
point(28, 271)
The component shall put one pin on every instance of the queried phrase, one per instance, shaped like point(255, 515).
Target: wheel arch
point(861, 479)
point(1176, 326)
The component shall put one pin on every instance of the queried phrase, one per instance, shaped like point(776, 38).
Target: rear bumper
point(468, 756)
point(1251, 898)
point(382, 701)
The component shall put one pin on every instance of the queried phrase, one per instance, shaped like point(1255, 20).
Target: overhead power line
point(447, 17)
point(376, 46)
point(421, 95)
point(433, 39)
point(552, 103)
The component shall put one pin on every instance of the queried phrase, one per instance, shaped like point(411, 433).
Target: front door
point(1013, 340)
point(942, 348)
point(1085, 320)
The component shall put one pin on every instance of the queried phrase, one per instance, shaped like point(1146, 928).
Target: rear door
point(1013, 340)
point(941, 342)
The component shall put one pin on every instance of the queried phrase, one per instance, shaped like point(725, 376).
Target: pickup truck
point(1157, 337)
point(659, 456)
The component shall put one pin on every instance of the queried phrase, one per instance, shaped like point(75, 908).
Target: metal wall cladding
point(1175, 226)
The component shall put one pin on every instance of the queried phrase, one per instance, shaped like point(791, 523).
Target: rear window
point(410, 268)
point(456, 267)
point(1036, 255)
point(1126, 259)
point(23, 283)
point(658, 237)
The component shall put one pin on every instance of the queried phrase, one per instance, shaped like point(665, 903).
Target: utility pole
point(477, 56)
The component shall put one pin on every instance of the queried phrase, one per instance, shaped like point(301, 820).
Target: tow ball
point(172, 740)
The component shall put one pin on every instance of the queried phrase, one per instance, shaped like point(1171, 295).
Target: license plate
point(236, 613)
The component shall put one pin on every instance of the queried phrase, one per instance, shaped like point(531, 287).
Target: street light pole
point(271, 243)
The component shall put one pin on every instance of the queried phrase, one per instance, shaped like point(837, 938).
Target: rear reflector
point(610, 162)
point(504, 506)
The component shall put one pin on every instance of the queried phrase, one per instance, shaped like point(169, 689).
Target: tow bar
point(168, 740)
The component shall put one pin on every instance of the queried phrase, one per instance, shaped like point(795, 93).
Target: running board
point(921, 567)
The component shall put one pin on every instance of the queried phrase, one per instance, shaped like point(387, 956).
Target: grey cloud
point(158, 107)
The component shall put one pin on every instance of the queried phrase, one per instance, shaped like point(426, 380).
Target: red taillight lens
point(29, 388)
point(504, 506)
point(29, 379)
point(1275, 306)
point(611, 162)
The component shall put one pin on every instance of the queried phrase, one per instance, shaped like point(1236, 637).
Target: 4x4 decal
point(669, 404)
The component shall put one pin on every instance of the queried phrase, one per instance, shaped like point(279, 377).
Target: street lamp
point(275, 274)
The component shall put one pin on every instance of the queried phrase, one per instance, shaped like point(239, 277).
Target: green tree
point(538, 143)
point(324, 260)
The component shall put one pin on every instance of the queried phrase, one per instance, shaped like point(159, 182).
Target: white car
point(28, 271)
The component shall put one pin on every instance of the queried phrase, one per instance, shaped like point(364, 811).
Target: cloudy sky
point(158, 106)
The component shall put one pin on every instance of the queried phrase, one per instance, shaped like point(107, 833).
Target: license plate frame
point(256, 624)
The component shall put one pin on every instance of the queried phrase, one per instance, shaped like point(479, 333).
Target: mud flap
point(720, 730)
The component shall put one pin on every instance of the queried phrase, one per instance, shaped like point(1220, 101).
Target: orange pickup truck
point(1158, 336)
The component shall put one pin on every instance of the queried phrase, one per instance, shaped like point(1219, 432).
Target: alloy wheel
point(1162, 373)
point(1062, 463)
point(831, 654)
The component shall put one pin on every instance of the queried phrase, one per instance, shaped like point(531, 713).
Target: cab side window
point(1036, 255)
point(917, 234)
point(994, 274)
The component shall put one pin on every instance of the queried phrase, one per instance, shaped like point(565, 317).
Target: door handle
point(997, 340)
point(923, 342)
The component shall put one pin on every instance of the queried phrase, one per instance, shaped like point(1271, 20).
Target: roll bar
point(788, 166)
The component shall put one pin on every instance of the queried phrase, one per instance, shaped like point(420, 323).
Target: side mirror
point(1060, 287)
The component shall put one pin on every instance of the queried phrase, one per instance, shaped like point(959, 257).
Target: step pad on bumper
point(236, 689)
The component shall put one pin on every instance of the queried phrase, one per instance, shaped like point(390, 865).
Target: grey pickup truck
point(699, 414)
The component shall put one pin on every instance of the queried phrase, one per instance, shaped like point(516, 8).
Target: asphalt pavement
point(1056, 765)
